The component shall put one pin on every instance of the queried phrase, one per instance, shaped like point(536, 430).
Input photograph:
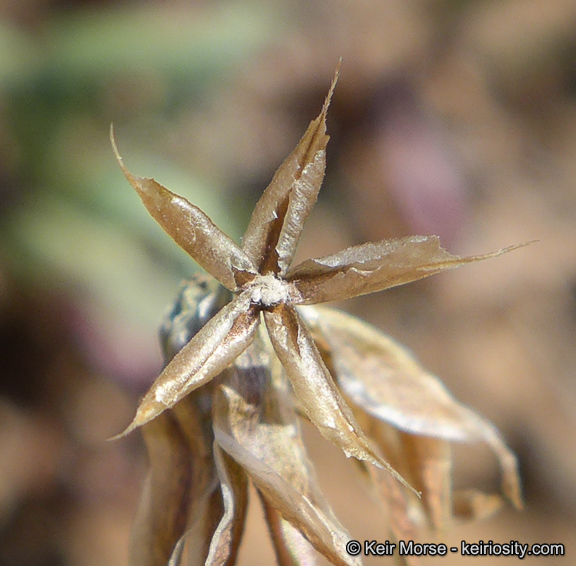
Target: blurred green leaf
point(189, 43)
point(55, 244)
point(19, 56)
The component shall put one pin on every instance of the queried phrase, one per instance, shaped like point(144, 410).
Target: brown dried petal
point(192, 230)
point(385, 380)
point(290, 546)
point(162, 512)
point(315, 389)
point(470, 504)
point(207, 504)
point(174, 490)
point(293, 506)
point(404, 510)
point(375, 266)
point(214, 537)
point(430, 463)
point(210, 351)
point(509, 465)
point(279, 216)
point(233, 481)
point(256, 424)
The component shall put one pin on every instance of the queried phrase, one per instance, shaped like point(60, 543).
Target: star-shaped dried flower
point(249, 396)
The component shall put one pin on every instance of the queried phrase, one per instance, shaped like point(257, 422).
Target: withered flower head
point(235, 391)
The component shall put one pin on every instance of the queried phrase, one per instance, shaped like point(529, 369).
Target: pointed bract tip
point(381, 463)
point(396, 475)
point(146, 412)
point(131, 178)
point(499, 252)
point(113, 143)
point(332, 87)
point(514, 247)
point(132, 426)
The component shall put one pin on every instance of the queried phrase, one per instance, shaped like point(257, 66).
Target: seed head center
point(268, 291)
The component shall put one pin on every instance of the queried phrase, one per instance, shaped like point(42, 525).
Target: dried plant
point(225, 409)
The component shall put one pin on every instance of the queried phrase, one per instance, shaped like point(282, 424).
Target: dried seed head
point(248, 428)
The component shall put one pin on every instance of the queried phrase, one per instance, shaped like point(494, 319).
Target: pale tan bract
point(231, 356)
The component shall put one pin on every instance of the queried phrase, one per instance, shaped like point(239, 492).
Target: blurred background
point(451, 117)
